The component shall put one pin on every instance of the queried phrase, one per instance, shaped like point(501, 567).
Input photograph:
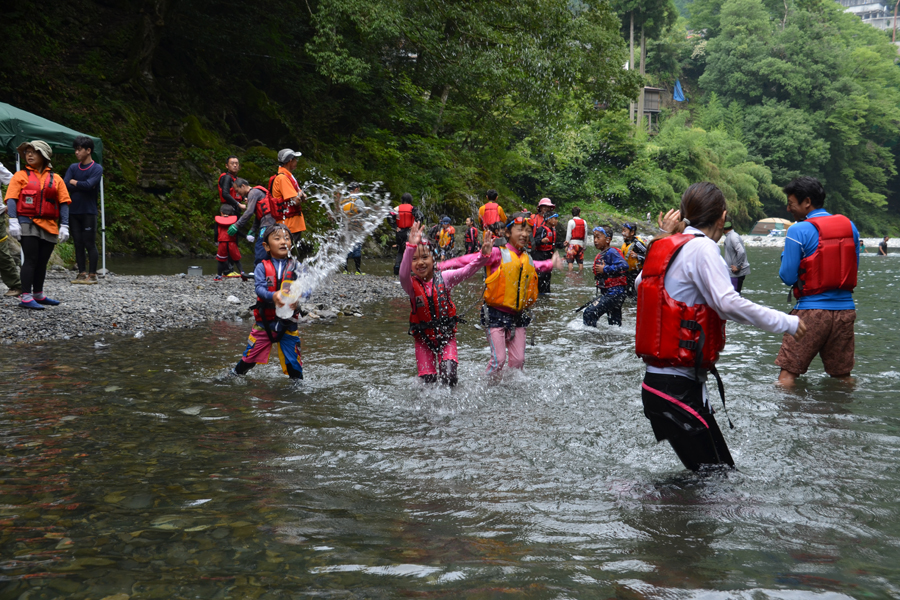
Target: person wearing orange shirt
point(491, 212)
point(288, 197)
point(38, 205)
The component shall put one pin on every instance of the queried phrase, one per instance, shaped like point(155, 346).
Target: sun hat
point(445, 221)
point(286, 155)
point(727, 224)
point(545, 202)
point(38, 146)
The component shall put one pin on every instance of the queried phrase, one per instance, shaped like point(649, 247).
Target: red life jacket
point(405, 218)
point(833, 265)
point(471, 236)
point(579, 230)
point(541, 232)
point(263, 206)
point(433, 318)
point(607, 281)
point(537, 220)
point(234, 194)
point(222, 225)
point(491, 214)
point(36, 201)
point(671, 333)
point(282, 209)
point(264, 310)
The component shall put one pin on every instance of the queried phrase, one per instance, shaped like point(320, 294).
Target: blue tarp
point(678, 94)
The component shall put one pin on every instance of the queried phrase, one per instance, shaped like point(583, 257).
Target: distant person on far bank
point(38, 204)
point(83, 182)
point(407, 214)
point(736, 257)
point(883, 246)
point(9, 261)
point(491, 212)
point(227, 192)
point(259, 205)
point(820, 261)
point(288, 197)
point(471, 236)
point(576, 233)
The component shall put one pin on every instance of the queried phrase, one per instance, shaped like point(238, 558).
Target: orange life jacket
point(234, 194)
point(405, 218)
point(222, 225)
point(491, 214)
point(579, 230)
point(37, 201)
point(833, 265)
point(264, 310)
point(671, 333)
point(513, 285)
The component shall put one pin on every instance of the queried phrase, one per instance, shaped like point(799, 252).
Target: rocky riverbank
point(133, 305)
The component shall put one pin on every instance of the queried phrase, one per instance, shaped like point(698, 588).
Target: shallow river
point(140, 467)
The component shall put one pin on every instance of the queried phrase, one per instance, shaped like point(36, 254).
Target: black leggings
point(677, 413)
point(84, 237)
point(611, 306)
point(447, 373)
point(37, 254)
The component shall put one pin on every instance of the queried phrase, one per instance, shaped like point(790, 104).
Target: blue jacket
point(84, 193)
point(614, 265)
point(801, 241)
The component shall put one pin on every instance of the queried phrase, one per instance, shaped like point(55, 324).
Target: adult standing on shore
point(684, 299)
point(38, 205)
point(736, 257)
point(820, 260)
point(883, 246)
point(258, 206)
point(287, 196)
point(227, 193)
point(9, 263)
point(83, 182)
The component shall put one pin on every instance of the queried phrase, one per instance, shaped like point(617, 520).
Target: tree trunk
point(631, 64)
point(440, 117)
point(640, 106)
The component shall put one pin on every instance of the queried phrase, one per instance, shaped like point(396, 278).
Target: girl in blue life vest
point(270, 277)
point(610, 272)
point(432, 321)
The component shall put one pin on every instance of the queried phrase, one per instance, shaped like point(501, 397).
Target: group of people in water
point(685, 293)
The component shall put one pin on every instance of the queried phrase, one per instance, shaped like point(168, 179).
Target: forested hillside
point(447, 99)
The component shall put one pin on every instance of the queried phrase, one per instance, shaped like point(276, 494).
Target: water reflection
point(142, 468)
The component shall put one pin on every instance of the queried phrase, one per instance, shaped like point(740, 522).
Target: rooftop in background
point(876, 14)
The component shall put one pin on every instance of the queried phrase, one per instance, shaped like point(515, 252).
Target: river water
point(138, 466)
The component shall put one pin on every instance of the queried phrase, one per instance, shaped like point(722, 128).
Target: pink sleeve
point(456, 263)
point(542, 266)
point(454, 276)
point(406, 270)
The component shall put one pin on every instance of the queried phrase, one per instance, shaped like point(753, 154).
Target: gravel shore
point(133, 305)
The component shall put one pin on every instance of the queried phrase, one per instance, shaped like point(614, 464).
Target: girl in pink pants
point(432, 320)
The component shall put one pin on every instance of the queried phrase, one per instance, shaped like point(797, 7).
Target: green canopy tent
point(17, 126)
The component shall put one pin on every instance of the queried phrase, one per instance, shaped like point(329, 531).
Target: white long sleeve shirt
point(698, 275)
point(569, 228)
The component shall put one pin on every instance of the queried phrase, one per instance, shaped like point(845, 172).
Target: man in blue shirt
point(83, 181)
point(823, 280)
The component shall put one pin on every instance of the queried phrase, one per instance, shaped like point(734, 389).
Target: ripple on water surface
point(142, 468)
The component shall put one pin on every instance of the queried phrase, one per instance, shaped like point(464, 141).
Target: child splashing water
point(432, 322)
point(273, 277)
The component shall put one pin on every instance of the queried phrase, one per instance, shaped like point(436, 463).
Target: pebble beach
point(134, 305)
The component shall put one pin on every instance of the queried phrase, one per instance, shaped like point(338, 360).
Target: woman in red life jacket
point(432, 321)
point(38, 204)
point(273, 276)
point(684, 298)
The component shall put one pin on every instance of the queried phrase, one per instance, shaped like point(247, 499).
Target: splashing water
point(355, 216)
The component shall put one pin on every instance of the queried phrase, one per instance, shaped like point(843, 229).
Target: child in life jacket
point(273, 276)
point(228, 254)
point(446, 237)
point(432, 322)
point(543, 247)
point(610, 271)
point(511, 287)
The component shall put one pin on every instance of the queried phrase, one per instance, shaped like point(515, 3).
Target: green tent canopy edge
point(17, 126)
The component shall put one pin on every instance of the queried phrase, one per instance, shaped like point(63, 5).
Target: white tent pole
point(103, 226)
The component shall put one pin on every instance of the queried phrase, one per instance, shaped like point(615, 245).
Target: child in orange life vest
point(446, 238)
point(228, 247)
point(432, 321)
point(272, 276)
point(510, 288)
